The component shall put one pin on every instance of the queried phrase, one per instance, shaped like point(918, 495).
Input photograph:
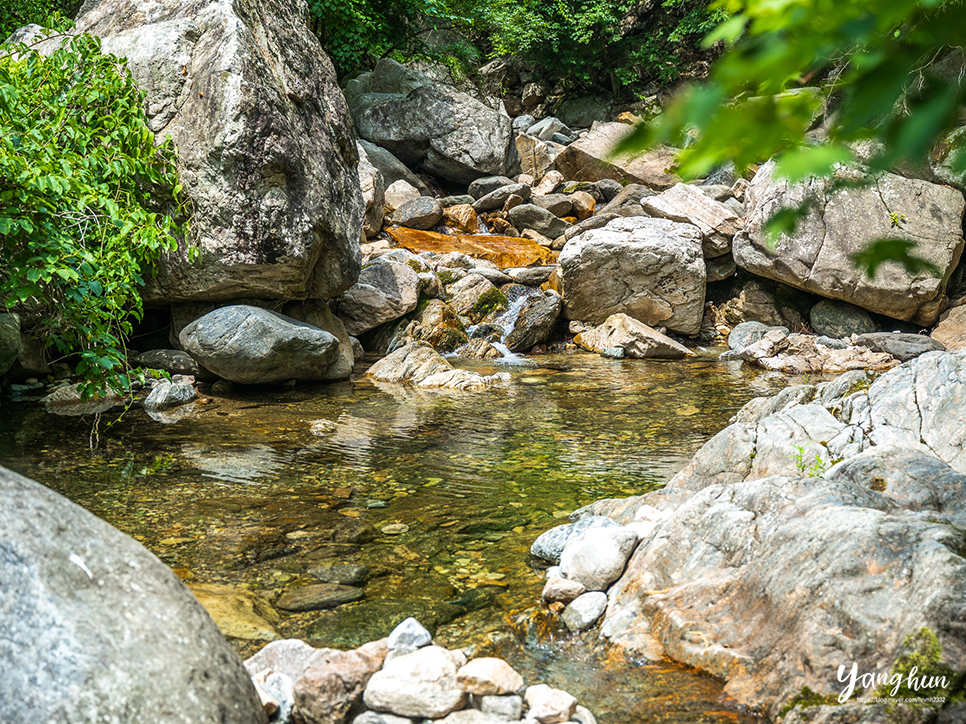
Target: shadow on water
point(438, 494)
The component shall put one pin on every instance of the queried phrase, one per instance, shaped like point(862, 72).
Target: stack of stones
point(401, 679)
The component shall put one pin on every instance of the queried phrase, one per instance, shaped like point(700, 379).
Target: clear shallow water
point(255, 489)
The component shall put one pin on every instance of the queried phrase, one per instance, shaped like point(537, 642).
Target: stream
point(439, 495)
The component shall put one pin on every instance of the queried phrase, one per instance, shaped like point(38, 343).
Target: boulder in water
point(95, 623)
point(255, 346)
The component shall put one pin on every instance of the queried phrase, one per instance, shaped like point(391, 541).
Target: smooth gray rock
point(840, 319)
point(169, 394)
point(9, 341)
point(559, 205)
point(903, 347)
point(596, 557)
point(505, 708)
point(348, 574)
point(747, 333)
point(255, 346)
point(410, 634)
point(170, 360)
point(817, 257)
point(498, 197)
point(632, 338)
point(535, 322)
point(317, 313)
point(96, 628)
point(584, 611)
point(610, 188)
point(530, 216)
point(422, 213)
point(433, 126)
point(480, 187)
point(550, 544)
point(462, 199)
point(266, 152)
point(650, 269)
point(386, 290)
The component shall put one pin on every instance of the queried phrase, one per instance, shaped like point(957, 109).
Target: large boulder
point(650, 269)
point(817, 257)
point(317, 313)
point(433, 126)
point(748, 580)
point(96, 628)
point(251, 345)
point(386, 290)
point(591, 159)
point(535, 321)
point(266, 153)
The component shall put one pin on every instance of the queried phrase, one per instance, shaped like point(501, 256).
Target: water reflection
point(235, 465)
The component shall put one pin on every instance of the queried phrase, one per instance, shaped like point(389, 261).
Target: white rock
point(596, 558)
point(562, 590)
point(420, 684)
point(399, 192)
point(507, 708)
point(583, 611)
point(487, 676)
point(549, 706)
point(409, 634)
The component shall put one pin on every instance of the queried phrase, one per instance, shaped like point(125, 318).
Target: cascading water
point(518, 296)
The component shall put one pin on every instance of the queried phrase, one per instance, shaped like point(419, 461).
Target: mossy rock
point(489, 302)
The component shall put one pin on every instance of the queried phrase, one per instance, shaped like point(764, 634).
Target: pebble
point(395, 529)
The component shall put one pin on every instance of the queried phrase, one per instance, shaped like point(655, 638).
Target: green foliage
point(356, 33)
point(806, 466)
point(48, 13)
point(922, 672)
point(589, 40)
point(79, 172)
point(873, 63)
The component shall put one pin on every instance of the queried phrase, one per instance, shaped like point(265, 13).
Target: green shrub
point(79, 177)
point(48, 13)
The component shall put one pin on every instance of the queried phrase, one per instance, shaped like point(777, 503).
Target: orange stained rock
point(504, 251)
